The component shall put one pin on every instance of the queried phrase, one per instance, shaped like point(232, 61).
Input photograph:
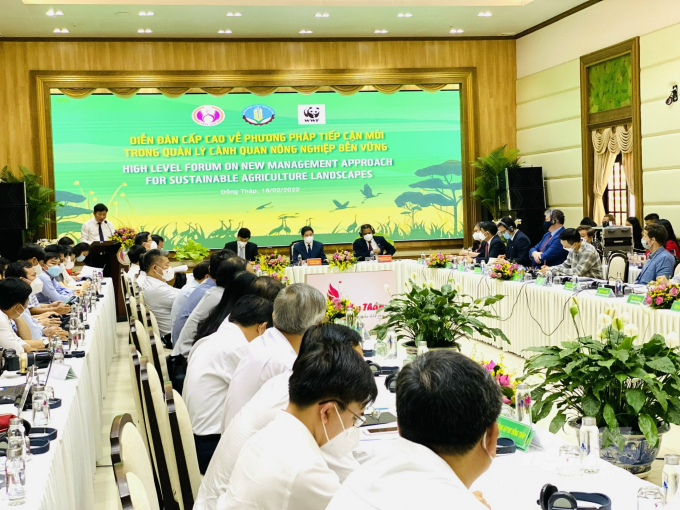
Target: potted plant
point(632, 390)
point(439, 317)
point(488, 168)
point(192, 251)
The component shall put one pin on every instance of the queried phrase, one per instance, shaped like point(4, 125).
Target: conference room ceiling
point(262, 19)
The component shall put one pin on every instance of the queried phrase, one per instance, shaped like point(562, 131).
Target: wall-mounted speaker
point(13, 206)
point(521, 189)
point(12, 193)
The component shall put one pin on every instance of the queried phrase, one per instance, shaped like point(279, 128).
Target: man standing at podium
point(98, 228)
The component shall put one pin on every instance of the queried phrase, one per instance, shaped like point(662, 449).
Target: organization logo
point(258, 115)
point(208, 115)
point(311, 114)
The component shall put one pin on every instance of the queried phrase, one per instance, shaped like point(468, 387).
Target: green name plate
point(478, 270)
point(604, 292)
point(634, 299)
point(569, 286)
point(675, 307)
point(516, 278)
point(540, 281)
point(461, 267)
point(520, 433)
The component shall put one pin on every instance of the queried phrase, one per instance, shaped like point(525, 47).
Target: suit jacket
point(300, 248)
point(553, 253)
point(517, 249)
point(251, 249)
point(362, 251)
point(496, 248)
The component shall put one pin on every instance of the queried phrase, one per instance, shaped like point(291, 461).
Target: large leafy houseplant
point(635, 387)
point(191, 250)
point(41, 201)
point(488, 169)
point(440, 317)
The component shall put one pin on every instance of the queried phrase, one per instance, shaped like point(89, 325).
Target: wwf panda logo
point(312, 112)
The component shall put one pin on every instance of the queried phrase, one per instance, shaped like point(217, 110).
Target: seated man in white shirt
point(262, 409)
point(297, 307)
point(159, 296)
point(447, 407)
point(98, 229)
point(199, 273)
point(282, 465)
point(14, 294)
point(135, 256)
point(211, 365)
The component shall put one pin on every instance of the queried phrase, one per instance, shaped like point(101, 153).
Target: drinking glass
point(569, 460)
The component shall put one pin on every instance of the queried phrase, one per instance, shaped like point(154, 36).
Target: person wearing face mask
point(368, 243)
point(262, 409)
point(135, 254)
point(492, 246)
point(98, 229)
point(81, 251)
point(144, 239)
point(158, 240)
point(52, 290)
point(242, 246)
point(211, 365)
point(447, 407)
point(518, 244)
point(477, 238)
point(587, 234)
point(660, 261)
point(283, 465)
point(582, 259)
point(159, 296)
point(14, 294)
point(34, 255)
point(549, 250)
point(308, 248)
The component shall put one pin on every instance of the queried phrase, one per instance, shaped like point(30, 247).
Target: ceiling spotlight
point(61, 30)
point(404, 15)
point(148, 13)
point(224, 31)
point(324, 15)
point(306, 32)
point(51, 13)
point(457, 31)
point(230, 14)
point(486, 14)
point(380, 32)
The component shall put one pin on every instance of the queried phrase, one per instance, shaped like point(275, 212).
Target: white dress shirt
point(268, 355)
point(159, 297)
point(280, 468)
point(202, 310)
point(211, 365)
point(181, 300)
point(404, 476)
point(8, 338)
point(90, 231)
point(133, 271)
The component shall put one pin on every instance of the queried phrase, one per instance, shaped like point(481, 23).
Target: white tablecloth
point(63, 478)
point(402, 269)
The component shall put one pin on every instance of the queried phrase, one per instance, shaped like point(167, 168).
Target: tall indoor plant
point(439, 317)
point(633, 391)
point(487, 170)
point(41, 201)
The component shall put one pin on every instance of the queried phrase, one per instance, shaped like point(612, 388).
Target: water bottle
point(15, 471)
point(589, 439)
point(548, 278)
point(81, 335)
point(483, 267)
point(618, 287)
point(670, 476)
point(299, 262)
point(422, 348)
point(381, 349)
point(527, 277)
point(57, 348)
point(15, 433)
point(365, 335)
point(73, 321)
point(41, 407)
point(523, 404)
point(649, 498)
point(391, 346)
point(3, 479)
point(575, 282)
point(422, 258)
point(349, 316)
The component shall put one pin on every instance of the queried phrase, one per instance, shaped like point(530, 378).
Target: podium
point(104, 255)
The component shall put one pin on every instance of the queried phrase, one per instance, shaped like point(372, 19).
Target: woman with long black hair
point(637, 232)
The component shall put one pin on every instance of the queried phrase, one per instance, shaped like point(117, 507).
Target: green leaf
point(654, 346)
point(638, 373)
point(571, 366)
point(648, 428)
point(557, 422)
point(662, 365)
point(661, 396)
point(619, 354)
point(610, 416)
point(547, 350)
point(590, 405)
point(636, 398)
point(606, 364)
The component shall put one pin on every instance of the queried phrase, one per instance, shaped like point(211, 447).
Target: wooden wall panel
point(493, 60)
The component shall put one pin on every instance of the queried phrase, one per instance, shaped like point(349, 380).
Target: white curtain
point(608, 144)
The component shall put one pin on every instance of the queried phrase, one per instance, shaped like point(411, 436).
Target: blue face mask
point(54, 271)
point(80, 258)
point(506, 235)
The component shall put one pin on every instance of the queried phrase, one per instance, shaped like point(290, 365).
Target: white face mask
point(478, 236)
point(80, 258)
point(569, 249)
point(62, 265)
point(36, 286)
point(153, 245)
point(309, 239)
point(241, 244)
point(167, 274)
point(368, 238)
point(69, 264)
point(38, 269)
point(646, 244)
point(343, 443)
point(484, 446)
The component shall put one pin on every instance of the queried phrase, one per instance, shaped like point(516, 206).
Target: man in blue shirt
point(193, 300)
point(52, 290)
point(550, 252)
point(661, 262)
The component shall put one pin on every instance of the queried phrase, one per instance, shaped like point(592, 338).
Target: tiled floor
point(119, 400)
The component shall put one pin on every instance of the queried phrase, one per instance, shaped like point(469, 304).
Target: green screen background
point(419, 197)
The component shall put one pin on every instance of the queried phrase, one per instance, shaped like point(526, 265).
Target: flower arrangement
point(44, 243)
point(342, 260)
point(505, 379)
point(272, 263)
point(503, 270)
point(438, 260)
point(282, 278)
point(125, 236)
point(336, 308)
point(662, 294)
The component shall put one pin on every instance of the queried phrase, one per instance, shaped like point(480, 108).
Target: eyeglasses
point(358, 420)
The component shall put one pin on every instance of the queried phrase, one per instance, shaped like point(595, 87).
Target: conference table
point(63, 477)
point(529, 315)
